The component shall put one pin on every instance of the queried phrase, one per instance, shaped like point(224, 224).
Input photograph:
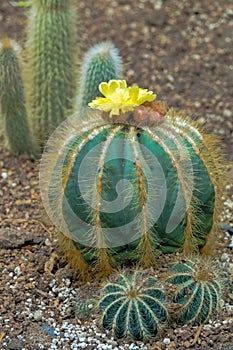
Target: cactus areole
point(130, 183)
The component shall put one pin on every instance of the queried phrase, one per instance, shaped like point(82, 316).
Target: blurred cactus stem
point(15, 126)
point(52, 49)
point(102, 62)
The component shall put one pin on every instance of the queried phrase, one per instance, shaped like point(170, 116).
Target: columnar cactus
point(15, 126)
point(130, 182)
point(134, 306)
point(198, 289)
point(51, 47)
point(102, 62)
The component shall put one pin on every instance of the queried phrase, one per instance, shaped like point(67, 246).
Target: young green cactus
point(134, 306)
point(198, 289)
point(84, 308)
point(102, 62)
point(130, 182)
point(51, 47)
point(15, 127)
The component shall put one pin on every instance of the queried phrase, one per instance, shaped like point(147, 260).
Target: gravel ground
point(182, 50)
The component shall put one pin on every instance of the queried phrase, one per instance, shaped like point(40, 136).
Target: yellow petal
point(120, 98)
point(122, 84)
point(113, 85)
point(145, 95)
point(103, 88)
point(133, 93)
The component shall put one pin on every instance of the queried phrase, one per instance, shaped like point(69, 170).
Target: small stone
point(4, 175)
point(224, 257)
point(15, 344)
point(11, 238)
point(231, 243)
point(166, 341)
point(227, 113)
point(47, 242)
point(37, 315)
point(82, 339)
point(17, 270)
point(197, 104)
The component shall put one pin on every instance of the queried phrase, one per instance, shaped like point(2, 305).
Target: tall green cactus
point(51, 47)
point(102, 62)
point(129, 184)
point(134, 306)
point(198, 289)
point(15, 125)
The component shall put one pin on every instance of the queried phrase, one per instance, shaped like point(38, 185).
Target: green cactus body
point(134, 306)
point(51, 47)
point(84, 308)
point(15, 125)
point(198, 290)
point(122, 193)
point(101, 63)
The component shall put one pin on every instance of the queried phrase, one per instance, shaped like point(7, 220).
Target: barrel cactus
point(129, 182)
point(51, 69)
point(15, 125)
point(84, 308)
point(101, 62)
point(198, 289)
point(134, 306)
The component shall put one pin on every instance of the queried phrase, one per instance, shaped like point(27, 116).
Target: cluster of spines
point(15, 125)
point(101, 62)
point(51, 50)
point(197, 289)
point(134, 306)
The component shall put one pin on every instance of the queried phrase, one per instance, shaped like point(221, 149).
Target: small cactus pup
point(102, 62)
point(198, 289)
point(15, 126)
point(129, 182)
point(84, 308)
point(51, 50)
point(134, 306)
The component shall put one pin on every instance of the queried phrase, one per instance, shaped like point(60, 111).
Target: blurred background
point(182, 50)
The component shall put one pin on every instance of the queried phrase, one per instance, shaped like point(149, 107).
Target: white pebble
point(206, 327)
point(4, 175)
point(166, 341)
point(231, 243)
point(225, 257)
point(37, 315)
point(17, 270)
point(227, 113)
point(217, 324)
point(82, 339)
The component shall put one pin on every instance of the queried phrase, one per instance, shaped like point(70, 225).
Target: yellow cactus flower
point(120, 98)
